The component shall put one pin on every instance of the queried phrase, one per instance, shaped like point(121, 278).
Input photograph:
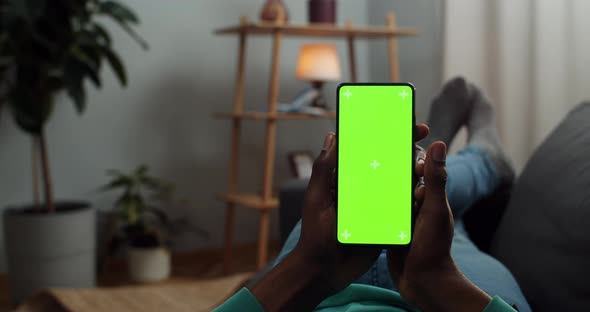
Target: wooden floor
point(190, 266)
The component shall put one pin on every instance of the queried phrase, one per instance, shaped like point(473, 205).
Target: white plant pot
point(148, 265)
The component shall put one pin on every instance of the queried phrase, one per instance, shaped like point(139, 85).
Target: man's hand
point(342, 264)
point(318, 242)
point(318, 266)
point(425, 272)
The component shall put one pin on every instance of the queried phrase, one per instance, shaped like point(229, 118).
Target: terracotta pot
point(271, 9)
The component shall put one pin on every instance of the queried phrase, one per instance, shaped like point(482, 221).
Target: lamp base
point(319, 100)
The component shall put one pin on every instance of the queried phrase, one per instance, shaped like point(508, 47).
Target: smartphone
point(374, 188)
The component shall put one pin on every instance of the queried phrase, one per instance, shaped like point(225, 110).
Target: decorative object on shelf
point(142, 226)
point(303, 103)
point(47, 47)
point(322, 11)
point(318, 63)
point(274, 10)
point(301, 164)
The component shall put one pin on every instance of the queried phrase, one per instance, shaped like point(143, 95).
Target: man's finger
point(435, 177)
point(323, 169)
point(419, 193)
point(422, 132)
point(419, 170)
point(435, 218)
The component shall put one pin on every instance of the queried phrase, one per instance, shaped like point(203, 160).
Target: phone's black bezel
point(413, 166)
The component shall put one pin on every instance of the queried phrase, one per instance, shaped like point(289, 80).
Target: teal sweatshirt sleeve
point(243, 300)
point(498, 305)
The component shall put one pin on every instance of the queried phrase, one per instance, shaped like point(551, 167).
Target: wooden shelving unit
point(266, 200)
point(319, 30)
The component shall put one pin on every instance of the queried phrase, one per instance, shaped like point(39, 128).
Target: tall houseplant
point(48, 46)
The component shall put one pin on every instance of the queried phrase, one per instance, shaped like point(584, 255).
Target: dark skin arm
point(295, 284)
point(319, 267)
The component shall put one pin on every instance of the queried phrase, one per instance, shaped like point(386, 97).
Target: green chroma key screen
point(375, 163)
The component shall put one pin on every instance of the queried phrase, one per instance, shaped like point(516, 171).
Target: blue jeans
point(471, 176)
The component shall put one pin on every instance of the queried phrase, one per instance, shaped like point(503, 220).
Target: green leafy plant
point(47, 46)
point(142, 220)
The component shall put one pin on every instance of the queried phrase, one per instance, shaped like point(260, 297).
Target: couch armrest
point(291, 201)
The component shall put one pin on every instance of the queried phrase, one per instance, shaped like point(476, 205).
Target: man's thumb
point(323, 166)
point(435, 173)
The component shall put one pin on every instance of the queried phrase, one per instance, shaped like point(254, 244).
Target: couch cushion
point(544, 235)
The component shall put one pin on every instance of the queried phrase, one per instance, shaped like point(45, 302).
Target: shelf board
point(250, 200)
point(267, 116)
point(316, 30)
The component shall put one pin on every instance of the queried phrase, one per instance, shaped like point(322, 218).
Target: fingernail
point(329, 141)
point(439, 152)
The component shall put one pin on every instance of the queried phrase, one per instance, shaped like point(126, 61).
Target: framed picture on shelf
point(301, 163)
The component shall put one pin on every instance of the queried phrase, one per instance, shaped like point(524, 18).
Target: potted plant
point(141, 223)
point(47, 47)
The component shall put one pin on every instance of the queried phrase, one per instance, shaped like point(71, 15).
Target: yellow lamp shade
point(318, 62)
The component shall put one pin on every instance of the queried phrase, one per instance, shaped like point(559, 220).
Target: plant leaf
point(121, 181)
point(27, 123)
point(92, 53)
point(78, 95)
point(131, 208)
point(118, 11)
point(55, 83)
point(144, 45)
point(103, 34)
point(25, 9)
point(152, 183)
point(123, 15)
point(94, 77)
point(158, 213)
point(87, 64)
point(73, 82)
point(116, 65)
point(78, 66)
point(30, 108)
point(141, 170)
point(35, 7)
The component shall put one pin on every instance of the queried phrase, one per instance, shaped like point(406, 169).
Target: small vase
point(270, 11)
point(322, 11)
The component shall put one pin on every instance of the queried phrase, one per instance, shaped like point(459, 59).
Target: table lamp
point(318, 63)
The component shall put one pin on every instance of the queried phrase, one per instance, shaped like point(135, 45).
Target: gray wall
point(164, 119)
point(420, 56)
